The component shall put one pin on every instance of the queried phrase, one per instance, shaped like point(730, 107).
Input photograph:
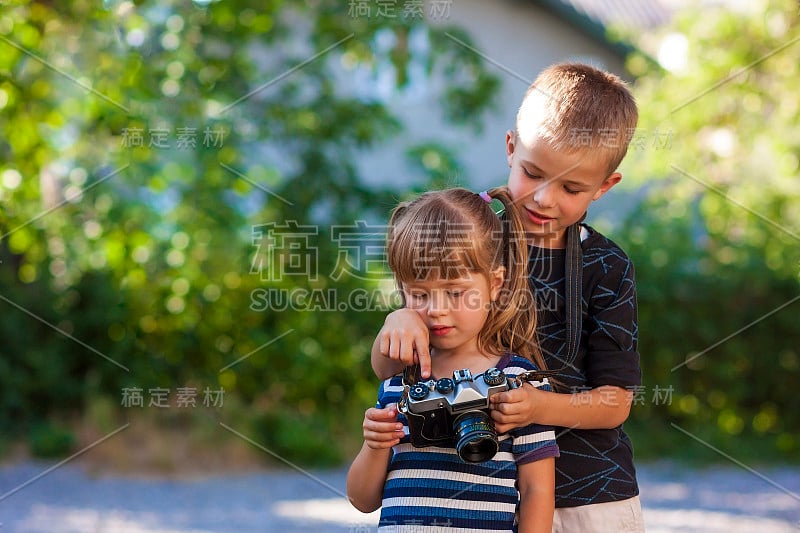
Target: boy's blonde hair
point(447, 234)
point(575, 107)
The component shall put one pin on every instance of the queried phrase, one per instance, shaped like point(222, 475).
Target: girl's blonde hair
point(446, 234)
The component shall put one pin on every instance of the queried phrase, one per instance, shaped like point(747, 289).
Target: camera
point(455, 412)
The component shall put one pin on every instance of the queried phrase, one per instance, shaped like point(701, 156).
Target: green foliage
point(288, 434)
point(438, 162)
point(715, 241)
point(47, 440)
point(141, 144)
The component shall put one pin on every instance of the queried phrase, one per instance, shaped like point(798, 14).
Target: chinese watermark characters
point(183, 138)
point(162, 398)
point(399, 9)
point(289, 250)
point(612, 396)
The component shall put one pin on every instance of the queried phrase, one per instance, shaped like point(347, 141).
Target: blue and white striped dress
point(431, 489)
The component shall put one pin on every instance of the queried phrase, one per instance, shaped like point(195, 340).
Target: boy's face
point(553, 189)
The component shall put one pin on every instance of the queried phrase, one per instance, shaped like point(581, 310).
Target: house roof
point(595, 17)
point(630, 14)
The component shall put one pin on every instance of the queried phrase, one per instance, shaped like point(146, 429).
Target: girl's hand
point(514, 408)
point(404, 338)
point(381, 428)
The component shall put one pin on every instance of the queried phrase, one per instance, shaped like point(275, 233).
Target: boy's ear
point(609, 182)
point(511, 138)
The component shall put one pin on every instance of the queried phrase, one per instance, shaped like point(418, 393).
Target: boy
point(572, 131)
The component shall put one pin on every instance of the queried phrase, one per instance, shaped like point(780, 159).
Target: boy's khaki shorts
point(623, 516)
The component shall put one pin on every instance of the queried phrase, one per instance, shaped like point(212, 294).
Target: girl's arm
point(367, 474)
point(536, 482)
point(366, 478)
point(604, 407)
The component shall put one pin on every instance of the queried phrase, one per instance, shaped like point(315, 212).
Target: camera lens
point(476, 439)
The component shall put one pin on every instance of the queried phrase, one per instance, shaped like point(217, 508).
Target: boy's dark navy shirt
point(595, 466)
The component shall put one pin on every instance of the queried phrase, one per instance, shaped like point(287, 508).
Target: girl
point(463, 270)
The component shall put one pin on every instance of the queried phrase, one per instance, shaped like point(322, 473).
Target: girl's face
point(455, 310)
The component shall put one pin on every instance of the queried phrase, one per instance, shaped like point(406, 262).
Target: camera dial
point(418, 391)
point(494, 376)
point(445, 386)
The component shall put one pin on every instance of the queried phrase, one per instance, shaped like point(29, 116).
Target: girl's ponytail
point(512, 321)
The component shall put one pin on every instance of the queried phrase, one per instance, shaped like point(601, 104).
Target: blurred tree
point(148, 149)
point(716, 241)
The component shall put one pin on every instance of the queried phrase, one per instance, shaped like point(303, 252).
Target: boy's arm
point(611, 363)
point(536, 482)
point(604, 407)
point(402, 341)
point(383, 366)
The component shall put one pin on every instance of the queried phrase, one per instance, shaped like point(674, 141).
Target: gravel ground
point(39, 498)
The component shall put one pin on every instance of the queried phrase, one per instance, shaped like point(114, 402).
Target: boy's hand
point(381, 428)
point(514, 408)
point(404, 338)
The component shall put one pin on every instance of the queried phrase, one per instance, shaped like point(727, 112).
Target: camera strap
point(531, 375)
point(411, 374)
point(573, 278)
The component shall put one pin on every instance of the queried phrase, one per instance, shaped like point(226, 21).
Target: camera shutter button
point(445, 386)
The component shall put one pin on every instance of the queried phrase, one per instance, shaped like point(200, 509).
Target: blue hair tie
point(485, 196)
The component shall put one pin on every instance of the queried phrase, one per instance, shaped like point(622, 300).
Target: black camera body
point(454, 411)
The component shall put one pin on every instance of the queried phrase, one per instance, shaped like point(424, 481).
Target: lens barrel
point(476, 438)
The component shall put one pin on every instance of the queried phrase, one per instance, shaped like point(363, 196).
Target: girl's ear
point(496, 278)
point(402, 293)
